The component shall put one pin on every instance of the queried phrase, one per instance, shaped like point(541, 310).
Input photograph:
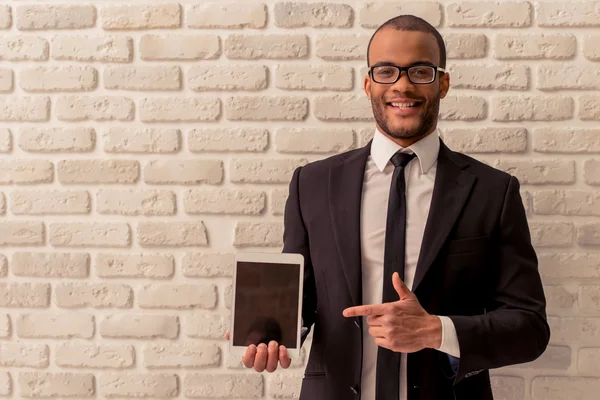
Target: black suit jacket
point(476, 265)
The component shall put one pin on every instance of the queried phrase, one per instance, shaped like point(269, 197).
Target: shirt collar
point(426, 149)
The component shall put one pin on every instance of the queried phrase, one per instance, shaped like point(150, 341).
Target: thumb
point(400, 287)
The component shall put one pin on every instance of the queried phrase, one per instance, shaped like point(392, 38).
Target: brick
point(227, 15)
point(5, 23)
point(177, 296)
point(180, 109)
point(21, 233)
point(589, 297)
point(46, 16)
point(128, 326)
point(141, 140)
point(159, 16)
point(508, 387)
point(180, 47)
point(342, 107)
point(98, 171)
point(567, 14)
point(588, 234)
point(5, 378)
point(223, 385)
point(551, 233)
point(90, 234)
point(314, 77)
point(310, 140)
point(278, 200)
point(54, 202)
point(314, 15)
point(5, 329)
point(153, 266)
point(24, 355)
point(569, 265)
point(567, 202)
point(95, 108)
point(5, 140)
point(96, 295)
point(550, 77)
point(23, 48)
point(59, 79)
point(583, 331)
point(226, 77)
point(558, 298)
point(373, 14)
point(486, 140)
point(463, 108)
point(107, 48)
point(138, 385)
point(535, 46)
point(342, 47)
point(285, 385)
point(6, 80)
point(228, 140)
point(50, 265)
point(531, 108)
point(143, 78)
point(50, 140)
point(25, 109)
point(187, 355)
point(94, 356)
point(265, 46)
point(465, 45)
point(136, 202)
point(566, 140)
point(184, 172)
point(224, 201)
point(268, 234)
point(207, 265)
point(172, 234)
point(591, 47)
point(557, 387)
point(26, 171)
point(227, 296)
point(30, 295)
point(589, 108)
point(554, 357)
point(588, 360)
point(266, 108)
point(498, 14)
point(591, 171)
point(3, 272)
point(207, 325)
point(539, 171)
point(55, 326)
point(490, 77)
point(58, 384)
point(264, 170)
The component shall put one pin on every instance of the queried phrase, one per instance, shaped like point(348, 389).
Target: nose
point(403, 84)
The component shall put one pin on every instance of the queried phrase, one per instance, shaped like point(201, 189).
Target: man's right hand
point(262, 357)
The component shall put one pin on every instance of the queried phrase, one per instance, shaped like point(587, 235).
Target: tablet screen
point(266, 303)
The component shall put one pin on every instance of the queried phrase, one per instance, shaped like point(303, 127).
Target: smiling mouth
point(404, 106)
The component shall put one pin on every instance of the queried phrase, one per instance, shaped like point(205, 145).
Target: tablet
point(267, 301)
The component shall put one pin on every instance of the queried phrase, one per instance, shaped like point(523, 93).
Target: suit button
point(354, 389)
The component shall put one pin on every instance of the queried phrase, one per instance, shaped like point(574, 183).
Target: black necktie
point(388, 361)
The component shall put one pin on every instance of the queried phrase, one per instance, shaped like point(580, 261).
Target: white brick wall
point(142, 143)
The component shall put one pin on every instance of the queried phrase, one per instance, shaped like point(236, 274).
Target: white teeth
point(403, 105)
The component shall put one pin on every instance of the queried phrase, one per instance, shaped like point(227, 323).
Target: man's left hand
point(403, 325)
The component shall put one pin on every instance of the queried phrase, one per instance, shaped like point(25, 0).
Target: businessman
point(420, 275)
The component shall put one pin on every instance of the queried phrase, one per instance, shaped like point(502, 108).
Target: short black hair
point(412, 23)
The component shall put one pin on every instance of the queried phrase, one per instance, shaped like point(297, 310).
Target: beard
point(428, 115)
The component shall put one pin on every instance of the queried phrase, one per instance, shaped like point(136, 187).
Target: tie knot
point(401, 159)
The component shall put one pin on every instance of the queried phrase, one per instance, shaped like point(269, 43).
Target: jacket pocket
point(314, 375)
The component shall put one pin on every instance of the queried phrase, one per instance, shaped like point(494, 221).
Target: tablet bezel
point(276, 258)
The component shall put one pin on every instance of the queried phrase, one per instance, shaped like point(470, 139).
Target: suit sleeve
point(514, 328)
point(295, 240)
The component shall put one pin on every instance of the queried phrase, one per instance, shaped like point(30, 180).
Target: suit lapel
point(450, 192)
point(345, 193)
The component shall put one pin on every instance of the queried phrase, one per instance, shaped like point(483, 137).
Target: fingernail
point(272, 344)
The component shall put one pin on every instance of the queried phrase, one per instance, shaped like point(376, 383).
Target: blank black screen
point(266, 303)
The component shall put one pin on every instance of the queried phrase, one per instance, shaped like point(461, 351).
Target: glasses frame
point(436, 70)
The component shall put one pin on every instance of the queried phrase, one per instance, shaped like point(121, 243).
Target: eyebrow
point(388, 63)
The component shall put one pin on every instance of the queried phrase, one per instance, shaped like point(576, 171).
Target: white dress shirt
point(419, 178)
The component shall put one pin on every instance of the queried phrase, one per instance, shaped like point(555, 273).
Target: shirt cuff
point(449, 338)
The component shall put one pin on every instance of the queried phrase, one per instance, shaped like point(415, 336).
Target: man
point(420, 275)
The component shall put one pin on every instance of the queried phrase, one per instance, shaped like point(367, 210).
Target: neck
point(406, 142)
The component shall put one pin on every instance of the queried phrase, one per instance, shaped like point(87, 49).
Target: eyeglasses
point(417, 74)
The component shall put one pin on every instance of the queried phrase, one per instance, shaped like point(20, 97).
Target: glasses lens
point(385, 74)
point(421, 74)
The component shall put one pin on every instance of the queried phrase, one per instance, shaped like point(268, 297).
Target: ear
point(367, 85)
point(444, 85)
